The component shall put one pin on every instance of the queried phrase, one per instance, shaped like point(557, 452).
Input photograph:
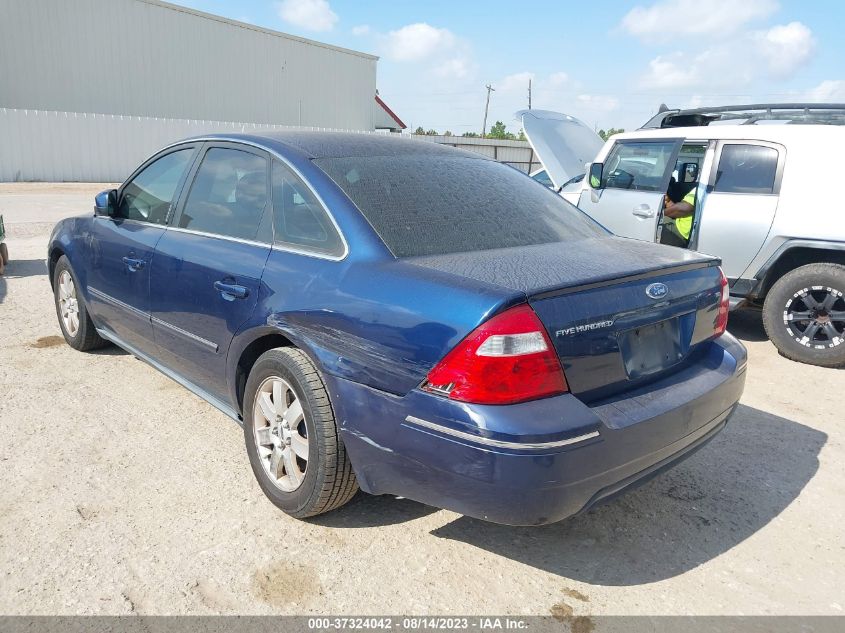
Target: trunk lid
point(619, 312)
point(563, 143)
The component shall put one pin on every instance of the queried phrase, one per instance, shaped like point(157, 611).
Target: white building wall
point(152, 59)
point(76, 147)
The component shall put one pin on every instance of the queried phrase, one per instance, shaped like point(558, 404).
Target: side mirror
point(105, 203)
point(596, 172)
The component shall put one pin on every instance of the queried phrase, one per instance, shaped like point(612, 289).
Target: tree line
point(499, 131)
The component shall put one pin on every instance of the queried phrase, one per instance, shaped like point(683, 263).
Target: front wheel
point(804, 315)
point(77, 326)
point(291, 438)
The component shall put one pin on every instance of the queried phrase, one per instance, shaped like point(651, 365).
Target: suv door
point(121, 247)
point(636, 175)
point(208, 265)
point(740, 202)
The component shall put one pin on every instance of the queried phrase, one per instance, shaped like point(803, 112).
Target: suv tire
point(804, 315)
point(293, 444)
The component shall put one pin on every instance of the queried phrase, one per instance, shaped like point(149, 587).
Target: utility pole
point(529, 94)
point(486, 108)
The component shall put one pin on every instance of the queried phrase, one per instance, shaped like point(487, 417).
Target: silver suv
point(761, 204)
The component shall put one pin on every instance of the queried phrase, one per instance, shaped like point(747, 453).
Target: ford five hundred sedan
point(406, 318)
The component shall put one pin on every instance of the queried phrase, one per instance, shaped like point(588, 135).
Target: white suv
point(761, 203)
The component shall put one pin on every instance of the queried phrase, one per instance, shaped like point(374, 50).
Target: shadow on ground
point(719, 497)
point(19, 268)
point(747, 325)
point(368, 511)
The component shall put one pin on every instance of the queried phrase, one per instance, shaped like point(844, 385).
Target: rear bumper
point(536, 462)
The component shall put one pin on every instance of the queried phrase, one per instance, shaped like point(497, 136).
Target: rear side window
point(746, 169)
point(431, 205)
point(229, 196)
point(638, 165)
point(300, 221)
point(147, 197)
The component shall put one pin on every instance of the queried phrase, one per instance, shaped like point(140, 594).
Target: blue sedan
point(405, 318)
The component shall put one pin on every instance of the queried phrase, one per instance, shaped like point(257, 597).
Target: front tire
point(291, 437)
point(74, 320)
point(804, 315)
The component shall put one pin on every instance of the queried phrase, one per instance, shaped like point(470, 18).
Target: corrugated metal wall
point(518, 154)
point(147, 58)
point(69, 146)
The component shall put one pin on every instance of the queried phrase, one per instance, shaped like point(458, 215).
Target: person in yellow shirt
point(677, 233)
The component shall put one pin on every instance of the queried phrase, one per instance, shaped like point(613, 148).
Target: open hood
point(563, 143)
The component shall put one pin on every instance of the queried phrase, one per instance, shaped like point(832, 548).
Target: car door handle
point(231, 291)
point(643, 211)
point(133, 264)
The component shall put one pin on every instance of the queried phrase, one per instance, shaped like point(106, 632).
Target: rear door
point(740, 202)
point(635, 178)
point(208, 265)
point(121, 247)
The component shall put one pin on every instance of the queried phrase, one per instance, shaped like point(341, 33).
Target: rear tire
point(291, 437)
point(4, 253)
point(74, 320)
point(804, 315)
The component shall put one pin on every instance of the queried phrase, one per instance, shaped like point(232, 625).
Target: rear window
point(432, 205)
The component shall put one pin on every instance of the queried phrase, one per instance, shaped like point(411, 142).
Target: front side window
point(746, 169)
point(229, 196)
point(299, 218)
point(639, 165)
point(147, 197)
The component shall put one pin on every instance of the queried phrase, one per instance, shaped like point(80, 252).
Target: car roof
point(344, 144)
point(775, 133)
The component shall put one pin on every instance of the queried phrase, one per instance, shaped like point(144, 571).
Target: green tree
point(498, 130)
point(521, 136)
point(470, 134)
point(447, 133)
point(607, 134)
point(419, 131)
point(431, 133)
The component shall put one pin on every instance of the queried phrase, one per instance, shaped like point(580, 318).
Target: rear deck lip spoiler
point(670, 270)
point(486, 441)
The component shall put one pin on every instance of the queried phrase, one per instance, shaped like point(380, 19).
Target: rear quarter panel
point(383, 324)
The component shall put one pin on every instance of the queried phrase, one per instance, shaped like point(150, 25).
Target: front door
point(636, 175)
point(208, 265)
point(121, 248)
point(740, 202)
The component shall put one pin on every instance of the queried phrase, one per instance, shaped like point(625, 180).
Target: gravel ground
point(124, 493)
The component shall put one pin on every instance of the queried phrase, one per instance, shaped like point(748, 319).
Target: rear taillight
point(721, 323)
point(505, 360)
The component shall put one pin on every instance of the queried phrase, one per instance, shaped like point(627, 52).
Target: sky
point(608, 62)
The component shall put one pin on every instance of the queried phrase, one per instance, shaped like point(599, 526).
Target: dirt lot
point(122, 492)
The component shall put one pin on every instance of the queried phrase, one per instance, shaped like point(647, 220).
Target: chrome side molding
point(486, 441)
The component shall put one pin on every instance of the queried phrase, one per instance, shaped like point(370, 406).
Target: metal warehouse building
point(88, 88)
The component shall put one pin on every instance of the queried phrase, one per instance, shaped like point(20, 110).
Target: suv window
point(299, 218)
point(422, 204)
point(637, 165)
point(229, 196)
point(746, 169)
point(147, 197)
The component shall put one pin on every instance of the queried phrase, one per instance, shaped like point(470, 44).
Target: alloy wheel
point(815, 317)
point(280, 433)
point(68, 303)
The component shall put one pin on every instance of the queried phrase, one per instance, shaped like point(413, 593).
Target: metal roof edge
point(253, 27)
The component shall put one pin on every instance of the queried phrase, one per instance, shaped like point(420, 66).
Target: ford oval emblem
point(657, 291)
